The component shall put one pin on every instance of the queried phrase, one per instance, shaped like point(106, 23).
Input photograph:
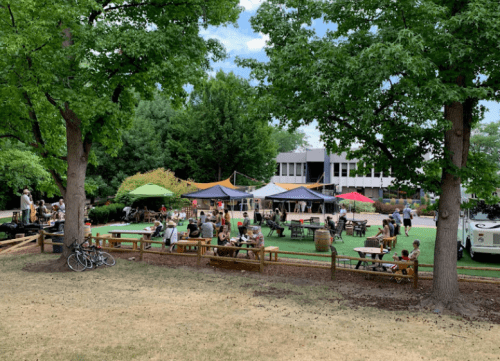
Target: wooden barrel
point(322, 240)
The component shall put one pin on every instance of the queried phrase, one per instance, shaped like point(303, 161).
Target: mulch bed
point(377, 292)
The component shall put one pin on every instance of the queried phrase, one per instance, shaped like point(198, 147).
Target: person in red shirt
point(404, 257)
point(163, 208)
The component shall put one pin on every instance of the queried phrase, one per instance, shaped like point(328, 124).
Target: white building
point(309, 166)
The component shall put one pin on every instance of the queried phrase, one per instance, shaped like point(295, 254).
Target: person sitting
point(182, 215)
point(43, 213)
point(60, 209)
point(395, 225)
point(404, 257)
point(192, 228)
point(207, 230)
point(176, 215)
point(277, 216)
point(171, 236)
point(223, 240)
point(343, 213)
point(416, 250)
point(391, 228)
point(385, 232)
point(158, 227)
point(258, 238)
point(202, 219)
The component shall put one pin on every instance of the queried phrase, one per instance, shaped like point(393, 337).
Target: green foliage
point(288, 140)
point(221, 132)
point(104, 214)
point(381, 78)
point(359, 206)
point(77, 67)
point(161, 177)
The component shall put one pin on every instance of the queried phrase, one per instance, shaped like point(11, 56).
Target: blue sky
point(244, 42)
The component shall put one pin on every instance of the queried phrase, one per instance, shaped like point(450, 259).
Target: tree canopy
point(381, 77)
point(289, 140)
point(70, 70)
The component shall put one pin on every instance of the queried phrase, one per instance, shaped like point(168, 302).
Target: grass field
point(427, 237)
point(134, 311)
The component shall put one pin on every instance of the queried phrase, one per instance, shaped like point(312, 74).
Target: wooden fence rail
point(139, 243)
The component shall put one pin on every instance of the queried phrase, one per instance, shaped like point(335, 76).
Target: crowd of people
point(39, 210)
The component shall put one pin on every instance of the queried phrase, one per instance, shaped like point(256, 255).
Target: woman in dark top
point(193, 230)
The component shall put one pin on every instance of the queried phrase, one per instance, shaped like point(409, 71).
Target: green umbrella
point(152, 190)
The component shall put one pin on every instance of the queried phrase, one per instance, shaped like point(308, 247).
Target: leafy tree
point(69, 68)
point(145, 147)
point(288, 140)
point(382, 79)
point(218, 133)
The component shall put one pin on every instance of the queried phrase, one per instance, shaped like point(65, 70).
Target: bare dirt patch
point(134, 311)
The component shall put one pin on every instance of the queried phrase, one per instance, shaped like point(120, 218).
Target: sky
point(244, 42)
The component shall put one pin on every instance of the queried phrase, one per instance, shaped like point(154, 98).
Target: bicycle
point(98, 258)
point(77, 260)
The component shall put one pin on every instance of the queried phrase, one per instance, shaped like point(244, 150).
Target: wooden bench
point(183, 245)
point(270, 250)
point(390, 242)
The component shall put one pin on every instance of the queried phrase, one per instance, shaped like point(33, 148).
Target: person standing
point(170, 237)
point(309, 206)
point(397, 219)
point(297, 207)
point(227, 218)
point(407, 217)
point(25, 206)
point(303, 206)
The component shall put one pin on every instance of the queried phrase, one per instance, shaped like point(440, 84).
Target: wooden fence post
point(415, 274)
point(334, 264)
point(42, 241)
point(141, 248)
point(198, 258)
point(261, 259)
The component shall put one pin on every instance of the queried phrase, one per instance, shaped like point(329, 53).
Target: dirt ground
point(166, 309)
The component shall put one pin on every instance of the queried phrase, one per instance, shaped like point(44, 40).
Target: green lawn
point(425, 235)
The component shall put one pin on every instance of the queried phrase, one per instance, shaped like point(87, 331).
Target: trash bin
point(57, 239)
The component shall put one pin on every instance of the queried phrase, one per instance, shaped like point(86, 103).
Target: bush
point(104, 214)
point(393, 201)
point(360, 206)
point(385, 208)
point(423, 211)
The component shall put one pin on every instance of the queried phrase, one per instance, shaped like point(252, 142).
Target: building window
point(291, 167)
point(352, 168)
point(344, 169)
point(336, 169)
point(299, 169)
point(283, 169)
point(278, 169)
point(377, 174)
point(305, 169)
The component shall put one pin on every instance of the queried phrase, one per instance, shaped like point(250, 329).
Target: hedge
point(104, 214)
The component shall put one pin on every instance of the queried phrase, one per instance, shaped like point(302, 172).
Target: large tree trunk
point(445, 284)
point(78, 152)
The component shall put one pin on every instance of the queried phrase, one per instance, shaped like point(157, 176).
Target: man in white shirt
point(25, 206)
point(61, 208)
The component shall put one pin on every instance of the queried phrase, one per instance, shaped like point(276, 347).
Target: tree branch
point(404, 19)
point(11, 16)
point(11, 136)
point(142, 4)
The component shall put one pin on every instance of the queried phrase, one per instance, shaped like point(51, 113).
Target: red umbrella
point(355, 196)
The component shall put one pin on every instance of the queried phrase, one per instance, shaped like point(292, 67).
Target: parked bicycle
point(83, 258)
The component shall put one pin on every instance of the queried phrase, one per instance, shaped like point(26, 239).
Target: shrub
point(409, 200)
point(424, 211)
point(401, 201)
point(360, 206)
point(104, 214)
point(393, 201)
point(385, 208)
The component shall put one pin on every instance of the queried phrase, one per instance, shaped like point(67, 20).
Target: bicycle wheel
point(107, 259)
point(88, 258)
point(76, 262)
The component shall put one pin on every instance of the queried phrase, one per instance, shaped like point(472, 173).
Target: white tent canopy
point(268, 190)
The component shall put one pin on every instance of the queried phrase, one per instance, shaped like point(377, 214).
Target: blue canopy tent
point(219, 192)
point(303, 194)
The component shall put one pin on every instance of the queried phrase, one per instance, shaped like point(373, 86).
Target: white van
point(477, 233)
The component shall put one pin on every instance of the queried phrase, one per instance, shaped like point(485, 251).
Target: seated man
point(193, 231)
point(404, 257)
point(60, 209)
point(158, 227)
point(43, 213)
point(207, 230)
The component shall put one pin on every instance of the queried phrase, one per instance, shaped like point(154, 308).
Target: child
point(404, 257)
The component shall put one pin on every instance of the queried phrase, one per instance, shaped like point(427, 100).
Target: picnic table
point(374, 252)
point(117, 233)
point(308, 226)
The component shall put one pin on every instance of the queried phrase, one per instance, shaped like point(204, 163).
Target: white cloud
point(235, 41)
point(259, 43)
point(250, 5)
